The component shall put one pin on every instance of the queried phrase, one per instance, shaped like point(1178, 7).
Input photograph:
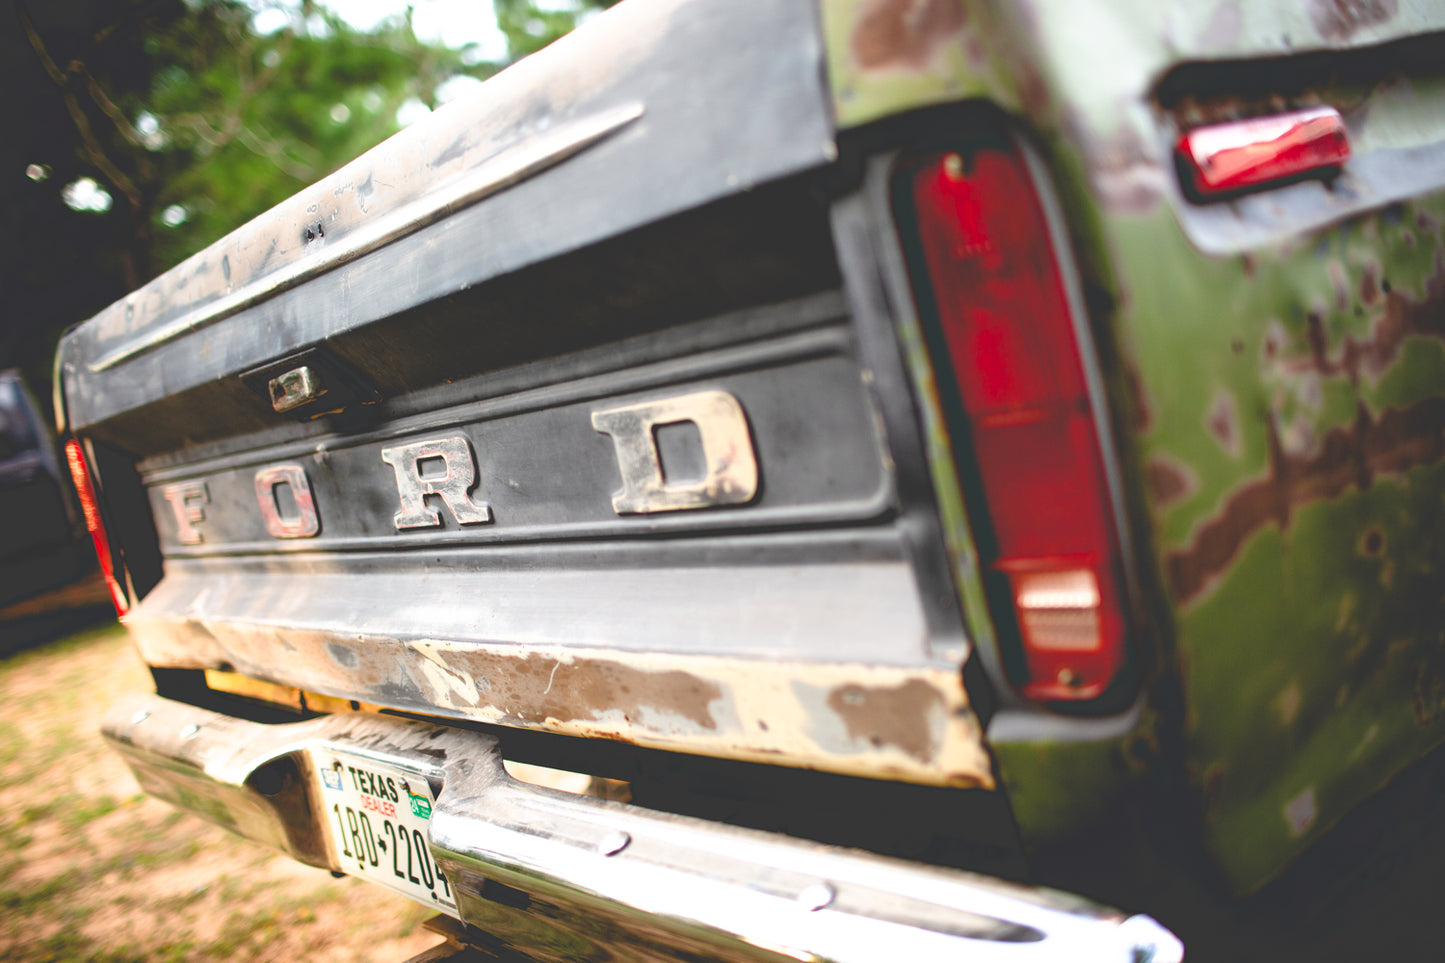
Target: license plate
point(377, 816)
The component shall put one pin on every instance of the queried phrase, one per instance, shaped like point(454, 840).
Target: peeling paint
point(1298, 567)
point(1283, 458)
point(448, 685)
point(1168, 481)
point(1396, 441)
point(1223, 423)
point(904, 33)
point(887, 55)
point(892, 716)
point(1287, 704)
point(1127, 170)
point(1339, 20)
point(399, 174)
point(908, 723)
point(1300, 813)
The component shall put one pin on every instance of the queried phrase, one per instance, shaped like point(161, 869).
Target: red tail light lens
point(80, 472)
point(1003, 322)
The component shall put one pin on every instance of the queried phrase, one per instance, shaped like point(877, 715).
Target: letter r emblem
point(458, 475)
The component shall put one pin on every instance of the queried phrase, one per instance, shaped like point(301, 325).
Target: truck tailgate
point(597, 453)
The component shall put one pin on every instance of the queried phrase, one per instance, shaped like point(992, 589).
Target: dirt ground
point(91, 869)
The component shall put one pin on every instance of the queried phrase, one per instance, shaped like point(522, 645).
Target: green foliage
point(187, 121)
point(530, 26)
point(244, 120)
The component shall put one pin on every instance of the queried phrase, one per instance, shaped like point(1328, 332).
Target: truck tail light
point(84, 487)
point(984, 267)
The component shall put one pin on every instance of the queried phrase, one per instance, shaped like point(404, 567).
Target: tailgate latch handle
point(294, 388)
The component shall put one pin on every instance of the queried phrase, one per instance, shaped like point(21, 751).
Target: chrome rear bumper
point(563, 877)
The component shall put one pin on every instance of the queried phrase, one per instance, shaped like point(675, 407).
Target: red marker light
point(80, 472)
point(1223, 158)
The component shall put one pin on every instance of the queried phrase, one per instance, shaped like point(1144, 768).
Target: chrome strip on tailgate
point(567, 877)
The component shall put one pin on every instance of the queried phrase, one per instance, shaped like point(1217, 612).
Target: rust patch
point(1138, 403)
point(1402, 318)
point(1272, 343)
point(1373, 543)
point(1370, 284)
point(1223, 423)
point(904, 33)
point(1168, 481)
point(536, 688)
point(901, 715)
point(1340, 281)
point(1339, 20)
point(1125, 168)
point(1400, 439)
point(899, 722)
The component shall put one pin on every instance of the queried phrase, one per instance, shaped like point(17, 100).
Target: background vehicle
point(43, 544)
point(892, 430)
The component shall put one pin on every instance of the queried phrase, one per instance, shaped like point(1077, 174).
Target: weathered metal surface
point(728, 474)
point(563, 877)
point(790, 630)
point(1276, 362)
point(404, 212)
point(786, 626)
point(597, 135)
point(1045, 57)
point(912, 723)
point(1297, 466)
point(1287, 415)
point(476, 473)
point(1279, 375)
point(890, 55)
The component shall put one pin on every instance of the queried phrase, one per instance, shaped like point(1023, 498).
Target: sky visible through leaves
point(150, 128)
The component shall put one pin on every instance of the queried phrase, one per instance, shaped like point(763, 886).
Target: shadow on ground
point(55, 614)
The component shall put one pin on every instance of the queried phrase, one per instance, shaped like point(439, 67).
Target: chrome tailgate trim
point(560, 877)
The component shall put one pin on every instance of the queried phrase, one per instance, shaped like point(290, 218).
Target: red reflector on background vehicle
point(1223, 158)
point(90, 508)
point(1049, 541)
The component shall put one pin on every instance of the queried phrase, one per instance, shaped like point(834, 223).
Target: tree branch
point(107, 106)
point(92, 144)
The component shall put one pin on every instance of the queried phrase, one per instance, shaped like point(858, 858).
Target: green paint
point(1312, 660)
point(874, 71)
point(1328, 692)
point(1058, 790)
point(1313, 664)
point(957, 534)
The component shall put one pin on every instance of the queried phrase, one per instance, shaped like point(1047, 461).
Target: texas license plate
point(377, 816)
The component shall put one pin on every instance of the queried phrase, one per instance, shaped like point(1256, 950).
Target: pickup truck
point(912, 459)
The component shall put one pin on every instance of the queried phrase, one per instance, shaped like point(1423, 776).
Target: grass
point(93, 870)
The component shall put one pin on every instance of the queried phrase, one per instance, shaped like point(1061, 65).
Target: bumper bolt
point(613, 843)
point(816, 897)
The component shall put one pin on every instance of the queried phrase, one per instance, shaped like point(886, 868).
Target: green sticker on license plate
point(377, 814)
